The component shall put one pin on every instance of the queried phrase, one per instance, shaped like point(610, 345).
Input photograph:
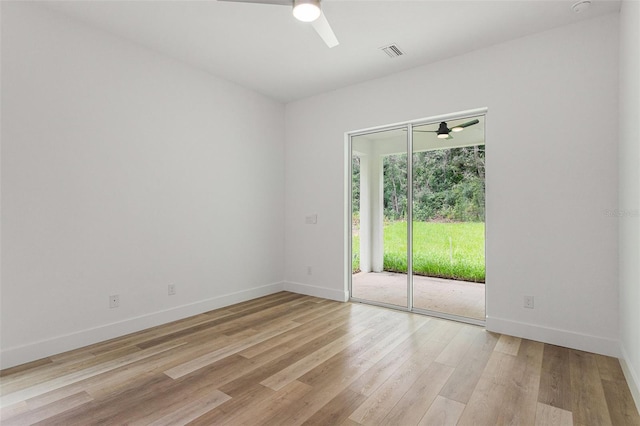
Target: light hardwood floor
point(289, 359)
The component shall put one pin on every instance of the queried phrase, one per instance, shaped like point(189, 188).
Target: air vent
point(392, 51)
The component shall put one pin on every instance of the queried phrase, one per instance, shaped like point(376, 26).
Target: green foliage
point(355, 184)
point(448, 184)
point(395, 186)
point(355, 250)
point(446, 250)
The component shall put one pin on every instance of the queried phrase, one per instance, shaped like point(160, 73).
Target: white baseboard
point(22, 354)
point(310, 290)
point(633, 380)
point(554, 336)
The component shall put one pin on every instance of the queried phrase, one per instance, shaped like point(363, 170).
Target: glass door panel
point(448, 218)
point(379, 217)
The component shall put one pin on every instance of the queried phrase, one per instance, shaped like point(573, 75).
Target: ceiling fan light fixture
point(306, 10)
point(457, 129)
point(443, 131)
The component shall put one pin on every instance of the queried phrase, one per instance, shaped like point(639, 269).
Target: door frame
point(348, 272)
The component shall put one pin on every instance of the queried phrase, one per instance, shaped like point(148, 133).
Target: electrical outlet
point(114, 301)
point(309, 271)
point(172, 289)
point(528, 302)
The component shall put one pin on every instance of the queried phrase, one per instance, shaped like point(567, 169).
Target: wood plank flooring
point(289, 359)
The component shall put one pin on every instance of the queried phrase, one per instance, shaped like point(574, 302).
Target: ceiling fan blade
point(425, 131)
point(322, 27)
point(467, 124)
point(277, 2)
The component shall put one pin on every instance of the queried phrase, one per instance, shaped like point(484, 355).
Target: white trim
point(554, 336)
point(633, 380)
point(56, 345)
point(322, 292)
point(348, 217)
point(410, 183)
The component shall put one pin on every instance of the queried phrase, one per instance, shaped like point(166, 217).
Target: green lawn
point(447, 250)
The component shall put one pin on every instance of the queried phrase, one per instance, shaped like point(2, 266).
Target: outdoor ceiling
point(262, 47)
point(394, 141)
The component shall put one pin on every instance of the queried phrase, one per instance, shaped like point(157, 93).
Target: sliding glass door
point(417, 221)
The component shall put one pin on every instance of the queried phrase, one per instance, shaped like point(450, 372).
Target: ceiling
point(262, 47)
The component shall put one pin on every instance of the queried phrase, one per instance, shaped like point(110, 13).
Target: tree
point(395, 186)
point(355, 184)
point(448, 184)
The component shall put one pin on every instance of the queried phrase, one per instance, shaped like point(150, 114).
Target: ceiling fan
point(443, 131)
point(305, 11)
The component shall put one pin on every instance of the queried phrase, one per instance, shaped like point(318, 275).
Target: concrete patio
point(461, 298)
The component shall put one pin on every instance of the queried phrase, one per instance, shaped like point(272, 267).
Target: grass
point(445, 250)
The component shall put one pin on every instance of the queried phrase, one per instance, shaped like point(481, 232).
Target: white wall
point(629, 193)
point(551, 174)
point(124, 171)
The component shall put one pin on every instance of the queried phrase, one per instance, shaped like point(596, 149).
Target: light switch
point(311, 220)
